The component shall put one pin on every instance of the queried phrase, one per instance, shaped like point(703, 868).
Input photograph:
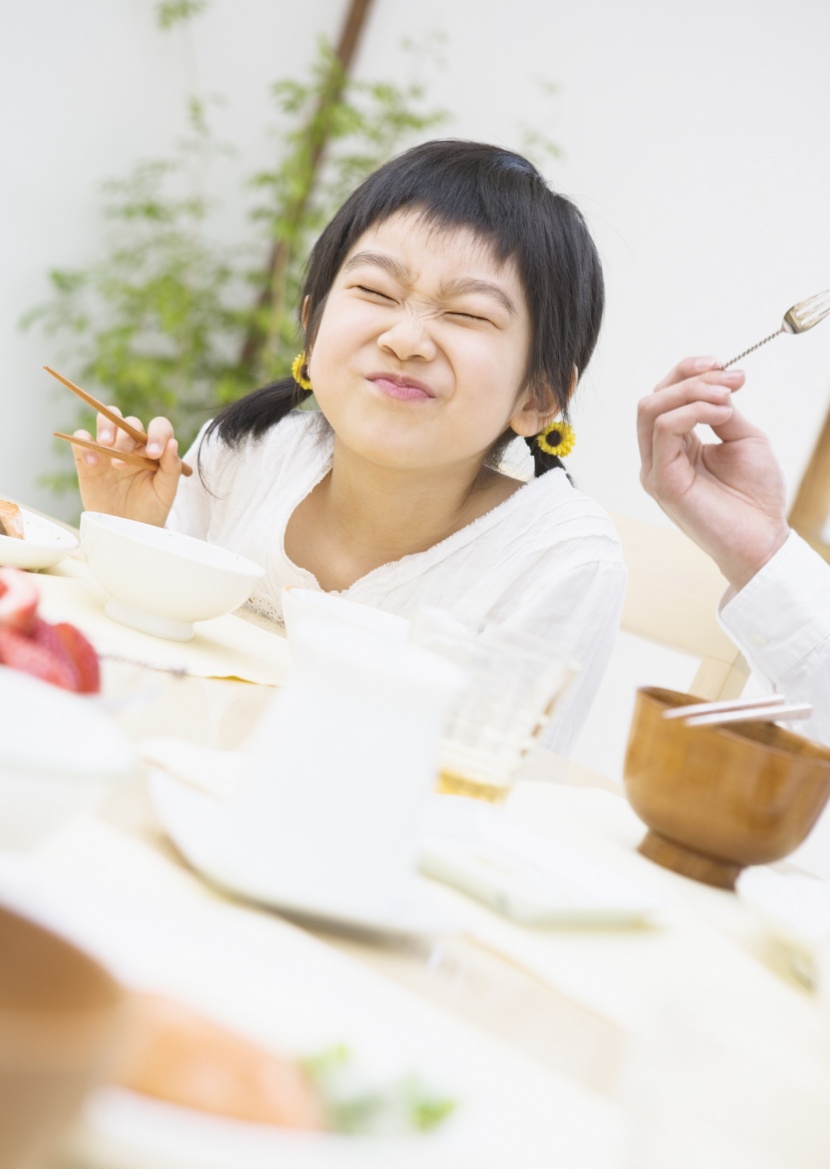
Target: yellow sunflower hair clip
point(299, 371)
point(557, 440)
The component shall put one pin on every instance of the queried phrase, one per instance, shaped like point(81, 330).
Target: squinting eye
point(470, 317)
point(373, 292)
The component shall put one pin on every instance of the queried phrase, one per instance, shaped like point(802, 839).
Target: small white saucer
point(44, 544)
point(196, 822)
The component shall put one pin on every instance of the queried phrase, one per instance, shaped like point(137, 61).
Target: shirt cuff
point(783, 613)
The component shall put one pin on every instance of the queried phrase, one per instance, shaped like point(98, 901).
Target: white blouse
point(546, 561)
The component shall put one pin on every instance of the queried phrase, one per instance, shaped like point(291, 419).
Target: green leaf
point(171, 12)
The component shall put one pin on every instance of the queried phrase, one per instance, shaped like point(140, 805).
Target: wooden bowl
point(716, 799)
point(60, 1012)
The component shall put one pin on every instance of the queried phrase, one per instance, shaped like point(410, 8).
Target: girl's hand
point(123, 489)
point(728, 496)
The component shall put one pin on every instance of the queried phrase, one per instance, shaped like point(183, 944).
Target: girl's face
point(421, 352)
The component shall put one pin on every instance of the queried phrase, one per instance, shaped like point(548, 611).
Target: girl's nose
point(408, 337)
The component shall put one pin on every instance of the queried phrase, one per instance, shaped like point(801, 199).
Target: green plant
point(166, 321)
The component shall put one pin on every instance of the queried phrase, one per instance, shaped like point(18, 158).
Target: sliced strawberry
point(47, 636)
point(18, 600)
point(83, 654)
point(24, 653)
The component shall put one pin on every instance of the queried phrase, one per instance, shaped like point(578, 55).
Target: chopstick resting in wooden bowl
point(768, 708)
point(135, 433)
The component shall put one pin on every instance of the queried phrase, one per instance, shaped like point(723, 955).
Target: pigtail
point(257, 412)
point(541, 461)
point(252, 416)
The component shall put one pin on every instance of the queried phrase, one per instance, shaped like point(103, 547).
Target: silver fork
point(798, 319)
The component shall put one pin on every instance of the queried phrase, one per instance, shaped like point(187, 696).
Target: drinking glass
point(512, 690)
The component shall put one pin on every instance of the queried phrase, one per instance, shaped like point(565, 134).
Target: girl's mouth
point(405, 389)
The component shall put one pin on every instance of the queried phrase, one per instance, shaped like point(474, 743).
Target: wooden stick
point(696, 708)
point(758, 714)
point(135, 434)
point(124, 456)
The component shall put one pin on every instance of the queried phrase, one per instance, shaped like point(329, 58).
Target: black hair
point(503, 199)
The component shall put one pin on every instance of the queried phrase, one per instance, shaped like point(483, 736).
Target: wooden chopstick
point(135, 433)
point(701, 708)
point(758, 714)
point(124, 456)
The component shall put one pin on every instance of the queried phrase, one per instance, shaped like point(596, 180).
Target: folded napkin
point(224, 647)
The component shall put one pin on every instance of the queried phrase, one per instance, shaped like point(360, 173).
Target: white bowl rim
point(189, 549)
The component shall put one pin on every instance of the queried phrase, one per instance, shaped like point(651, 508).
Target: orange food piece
point(11, 521)
point(176, 1055)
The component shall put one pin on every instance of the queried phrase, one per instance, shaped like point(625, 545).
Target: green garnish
point(404, 1106)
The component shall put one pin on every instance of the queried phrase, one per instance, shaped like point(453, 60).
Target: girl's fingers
point(665, 440)
point(669, 467)
point(700, 389)
point(688, 367)
point(736, 428)
point(106, 430)
point(159, 434)
point(111, 435)
point(84, 458)
point(123, 441)
point(169, 461)
point(672, 429)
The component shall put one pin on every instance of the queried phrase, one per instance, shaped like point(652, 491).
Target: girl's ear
point(539, 410)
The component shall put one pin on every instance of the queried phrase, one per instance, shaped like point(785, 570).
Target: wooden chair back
point(672, 599)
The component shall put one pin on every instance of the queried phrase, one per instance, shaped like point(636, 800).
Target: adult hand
point(728, 496)
point(117, 488)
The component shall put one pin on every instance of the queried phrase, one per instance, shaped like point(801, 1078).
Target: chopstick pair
point(135, 433)
point(768, 708)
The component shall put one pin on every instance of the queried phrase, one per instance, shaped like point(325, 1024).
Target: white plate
point(195, 822)
point(44, 544)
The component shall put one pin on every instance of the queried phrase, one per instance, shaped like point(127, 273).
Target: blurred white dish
point(44, 544)
point(160, 581)
point(196, 823)
point(58, 756)
point(795, 909)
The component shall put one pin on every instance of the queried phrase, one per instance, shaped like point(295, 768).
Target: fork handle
point(752, 348)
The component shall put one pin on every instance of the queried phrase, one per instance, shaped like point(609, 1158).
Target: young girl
point(450, 306)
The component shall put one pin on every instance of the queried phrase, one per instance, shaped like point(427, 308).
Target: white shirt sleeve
point(781, 620)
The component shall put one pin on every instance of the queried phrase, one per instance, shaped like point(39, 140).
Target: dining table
point(687, 1039)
